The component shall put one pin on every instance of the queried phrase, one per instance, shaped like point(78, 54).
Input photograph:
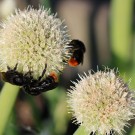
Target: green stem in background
point(8, 96)
point(47, 4)
point(80, 131)
point(121, 28)
point(132, 131)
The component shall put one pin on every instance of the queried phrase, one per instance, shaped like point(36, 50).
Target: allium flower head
point(33, 38)
point(101, 102)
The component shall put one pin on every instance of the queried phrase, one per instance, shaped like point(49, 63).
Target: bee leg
point(42, 73)
point(15, 66)
point(14, 69)
point(28, 74)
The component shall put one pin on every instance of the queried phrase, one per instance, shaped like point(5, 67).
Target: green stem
point(7, 99)
point(121, 28)
point(47, 4)
point(80, 131)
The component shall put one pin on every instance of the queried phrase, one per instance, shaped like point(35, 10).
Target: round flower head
point(33, 38)
point(102, 103)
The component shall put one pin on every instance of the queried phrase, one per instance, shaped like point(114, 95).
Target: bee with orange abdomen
point(28, 83)
point(77, 49)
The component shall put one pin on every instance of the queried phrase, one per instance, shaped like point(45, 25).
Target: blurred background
point(107, 29)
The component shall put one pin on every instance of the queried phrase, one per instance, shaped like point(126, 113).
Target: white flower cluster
point(33, 38)
point(101, 102)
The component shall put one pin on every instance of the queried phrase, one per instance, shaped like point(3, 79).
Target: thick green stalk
point(80, 131)
point(121, 28)
point(7, 99)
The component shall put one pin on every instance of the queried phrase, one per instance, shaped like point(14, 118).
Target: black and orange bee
point(28, 83)
point(36, 87)
point(77, 50)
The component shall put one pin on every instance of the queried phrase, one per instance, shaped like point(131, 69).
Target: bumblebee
point(28, 83)
point(37, 86)
point(77, 49)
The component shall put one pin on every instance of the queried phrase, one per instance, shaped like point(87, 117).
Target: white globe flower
point(101, 103)
point(33, 38)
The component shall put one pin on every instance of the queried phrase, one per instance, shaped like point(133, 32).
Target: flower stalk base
point(7, 99)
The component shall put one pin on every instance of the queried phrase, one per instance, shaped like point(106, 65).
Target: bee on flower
point(34, 48)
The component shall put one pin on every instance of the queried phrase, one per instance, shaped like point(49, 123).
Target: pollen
point(33, 38)
point(101, 102)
